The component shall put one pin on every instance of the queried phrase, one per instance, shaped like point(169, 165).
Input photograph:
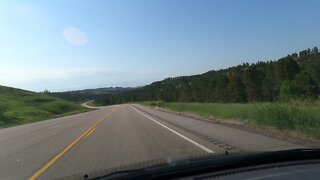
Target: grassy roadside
point(299, 117)
point(43, 119)
point(20, 107)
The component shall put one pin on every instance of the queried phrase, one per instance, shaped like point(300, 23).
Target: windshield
point(89, 88)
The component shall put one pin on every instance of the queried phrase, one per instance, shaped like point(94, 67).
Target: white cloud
point(75, 36)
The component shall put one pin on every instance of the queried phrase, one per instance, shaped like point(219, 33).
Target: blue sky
point(66, 45)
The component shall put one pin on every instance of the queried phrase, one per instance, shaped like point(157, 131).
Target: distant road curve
point(85, 104)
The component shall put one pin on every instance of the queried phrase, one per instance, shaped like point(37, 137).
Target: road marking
point(90, 132)
point(66, 149)
point(175, 132)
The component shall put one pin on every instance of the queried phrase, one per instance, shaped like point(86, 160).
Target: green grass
point(296, 116)
point(19, 107)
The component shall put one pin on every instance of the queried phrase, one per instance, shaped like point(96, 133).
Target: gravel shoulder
point(286, 135)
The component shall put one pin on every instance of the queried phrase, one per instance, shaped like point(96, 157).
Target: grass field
point(19, 107)
point(296, 116)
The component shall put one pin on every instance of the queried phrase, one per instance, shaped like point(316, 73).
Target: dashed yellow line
point(66, 149)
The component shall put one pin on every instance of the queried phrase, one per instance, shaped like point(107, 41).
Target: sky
point(78, 44)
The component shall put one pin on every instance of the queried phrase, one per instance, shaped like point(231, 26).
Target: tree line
point(80, 96)
point(294, 76)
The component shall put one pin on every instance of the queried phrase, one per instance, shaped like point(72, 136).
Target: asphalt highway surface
point(118, 137)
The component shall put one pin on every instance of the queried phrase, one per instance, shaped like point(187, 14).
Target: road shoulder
point(289, 136)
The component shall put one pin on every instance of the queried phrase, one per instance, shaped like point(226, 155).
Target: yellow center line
point(66, 149)
point(90, 132)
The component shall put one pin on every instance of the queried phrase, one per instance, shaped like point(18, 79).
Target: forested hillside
point(294, 76)
point(88, 94)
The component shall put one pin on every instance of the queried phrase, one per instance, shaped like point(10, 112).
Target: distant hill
point(89, 94)
point(20, 106)
point(294, 76)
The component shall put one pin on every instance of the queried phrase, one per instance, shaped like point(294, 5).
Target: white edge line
point(175, 132)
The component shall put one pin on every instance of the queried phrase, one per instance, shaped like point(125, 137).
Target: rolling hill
point(20, 106)
point(80, 96)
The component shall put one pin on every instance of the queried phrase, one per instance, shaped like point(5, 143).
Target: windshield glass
point(95, 87)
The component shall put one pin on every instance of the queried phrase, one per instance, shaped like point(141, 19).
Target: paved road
point(114, 136)
point(86, 104)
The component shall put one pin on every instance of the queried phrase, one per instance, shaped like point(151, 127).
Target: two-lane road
point(115, 136)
